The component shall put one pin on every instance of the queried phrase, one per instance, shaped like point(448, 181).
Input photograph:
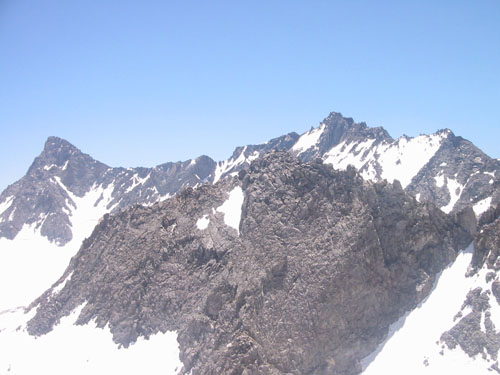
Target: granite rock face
point(321, 264)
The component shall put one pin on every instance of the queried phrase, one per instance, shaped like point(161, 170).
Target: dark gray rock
point(324, 262)
point(467, 333)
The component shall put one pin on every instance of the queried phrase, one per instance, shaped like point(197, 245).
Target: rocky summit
point(320, 263)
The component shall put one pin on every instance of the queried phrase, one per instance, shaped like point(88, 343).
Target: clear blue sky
point(144, 82)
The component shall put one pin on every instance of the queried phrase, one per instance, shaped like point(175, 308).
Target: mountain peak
point(445, 131)
point(337, 116)
point(343, 128)
point(56, 145)
point(57, 154)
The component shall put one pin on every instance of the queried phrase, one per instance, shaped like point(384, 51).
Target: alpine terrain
point(338, 251)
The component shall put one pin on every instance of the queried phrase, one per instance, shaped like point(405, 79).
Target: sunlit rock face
point(297, 268)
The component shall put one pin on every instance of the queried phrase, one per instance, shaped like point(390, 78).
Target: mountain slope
point(457, 329)
point(48, 196)
point(307, 281)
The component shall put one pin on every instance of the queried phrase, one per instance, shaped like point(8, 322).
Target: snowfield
point(413, 346)
point(396, 160)
point(72, 349)
point(29, 263)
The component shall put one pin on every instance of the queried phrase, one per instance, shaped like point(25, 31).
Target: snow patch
point(60, 286)
point(439, 180)
point(49, 167)
point(203, 222)
point(231, 208)
point(227, 165)
point(164, 197)
point(254, 156)
point(11, 216)
point(455, 190)
point(308, 140)
point(400, 160)
point(136, 181)
point(4, 206)
point(403, 159)
point(355, 154)
point(481, 206)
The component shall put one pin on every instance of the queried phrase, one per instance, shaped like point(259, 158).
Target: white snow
point(400, 160)
point(455, 190)
point(355, 154)
point(412, 339)
point(226, 165)
point(32, 263)
point(439, 180)
point(4, 206)
point(308, 139)
point(61, 285)
point(136, 181)
point(164, 197)
point(11, 216)
point(404, 158)
point(492, 174)
point(71, 349)
point(481, 206)
point(231, 208)
point(49, 167)
point(203, 222)
point(252, 157)
point(417, 197)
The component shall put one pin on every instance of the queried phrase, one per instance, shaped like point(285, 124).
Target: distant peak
point(56, 152)
point(346, 127)
point(337, 116)
point(445, 131)
point(55, 143)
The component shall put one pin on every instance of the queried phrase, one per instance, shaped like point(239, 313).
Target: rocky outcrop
point(321, 264)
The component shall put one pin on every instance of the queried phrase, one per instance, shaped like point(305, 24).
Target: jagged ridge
point(323, 263)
